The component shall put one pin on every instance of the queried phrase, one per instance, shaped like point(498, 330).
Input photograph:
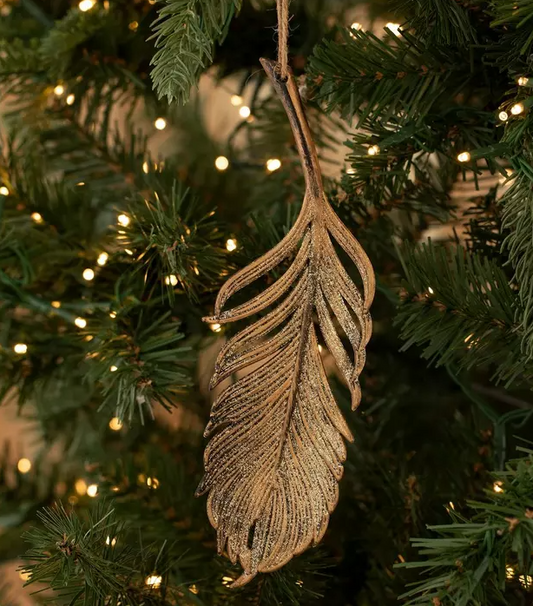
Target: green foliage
point(443, 22)
point(401, 80)
point(480, 559)
point(517, 217)
point(461, 308)
point(186, 32)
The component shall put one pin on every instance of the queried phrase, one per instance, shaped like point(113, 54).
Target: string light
point(88, 274)
point(452, 506)
point(111, 541)
point(86, 5)
point(24, 575)
point(503, 116)
point(160, 124)
point(80, 184)
point(245, 111)
point(373, 150)
point(80, 322)
point(497, 486)
point(273, 164)
point(394, 28)
point(231, 244)
point(154, 581)
point(128, 252)
point(20, 348)
point(146, 168)
point(215, 327)
point(92, 490)
point(236, 100)
point(24, 465)
point(221, 163)
point(526, 580)
point(152, 483)
point(171, 280)
point(56, 304)
point(59, 90)
point(123, 220)
point(37, 217)
point(517, 109)
point(102, 258)
point(113, 368)
point(356, 26)
point(194, 589)
point(350, 171)
point(522, 81)
point(81, 487)
point(227, 581)
point(4, 191)
point(320, 348)
point(112, 314)
point(133, 26)
point(115, 424)
point(88, 338)
point(430, 290)
point(464, 156)
point(509, 572)
point(70, 99)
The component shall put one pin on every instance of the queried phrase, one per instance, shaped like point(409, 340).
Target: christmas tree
point(146, 158)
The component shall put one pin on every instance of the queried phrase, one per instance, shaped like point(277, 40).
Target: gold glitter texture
point(275, 456)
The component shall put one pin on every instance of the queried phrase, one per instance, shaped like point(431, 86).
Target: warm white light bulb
point(123, 220)
point(273, 164)
point(221, 163)
point(92, 490)
point(37, 217)
point(4, 191)
point(59, 90)
point(112, 314)
point(160, 124)
point(154, 581)
point(113, 368)
point(498, 486)
point(102, 258)
point(81, 487)
point(20, 348)
point(24, 465)
point(464, 156)
point(215, 327)
point(245, 111)
point(236, 100)
point(171, 280)
point(503, 116)
point(373, 150)
point(56, 304)
point(80, 322)
point(517, 109)
point(394, 28)
point(88, 274)
point(522, 81)
point(231, 244)
point(356, 25)
point(70, 99)
point(86, 5)
point(115, 424)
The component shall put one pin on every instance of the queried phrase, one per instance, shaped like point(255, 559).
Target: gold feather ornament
point(276, 452)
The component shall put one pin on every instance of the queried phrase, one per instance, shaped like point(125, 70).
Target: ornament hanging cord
point(283, 37)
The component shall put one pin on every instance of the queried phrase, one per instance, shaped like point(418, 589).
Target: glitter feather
point(276, 448)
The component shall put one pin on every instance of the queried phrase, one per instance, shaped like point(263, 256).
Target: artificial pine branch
point(185, 33)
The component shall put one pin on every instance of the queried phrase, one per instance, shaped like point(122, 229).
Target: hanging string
point(283, 37)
